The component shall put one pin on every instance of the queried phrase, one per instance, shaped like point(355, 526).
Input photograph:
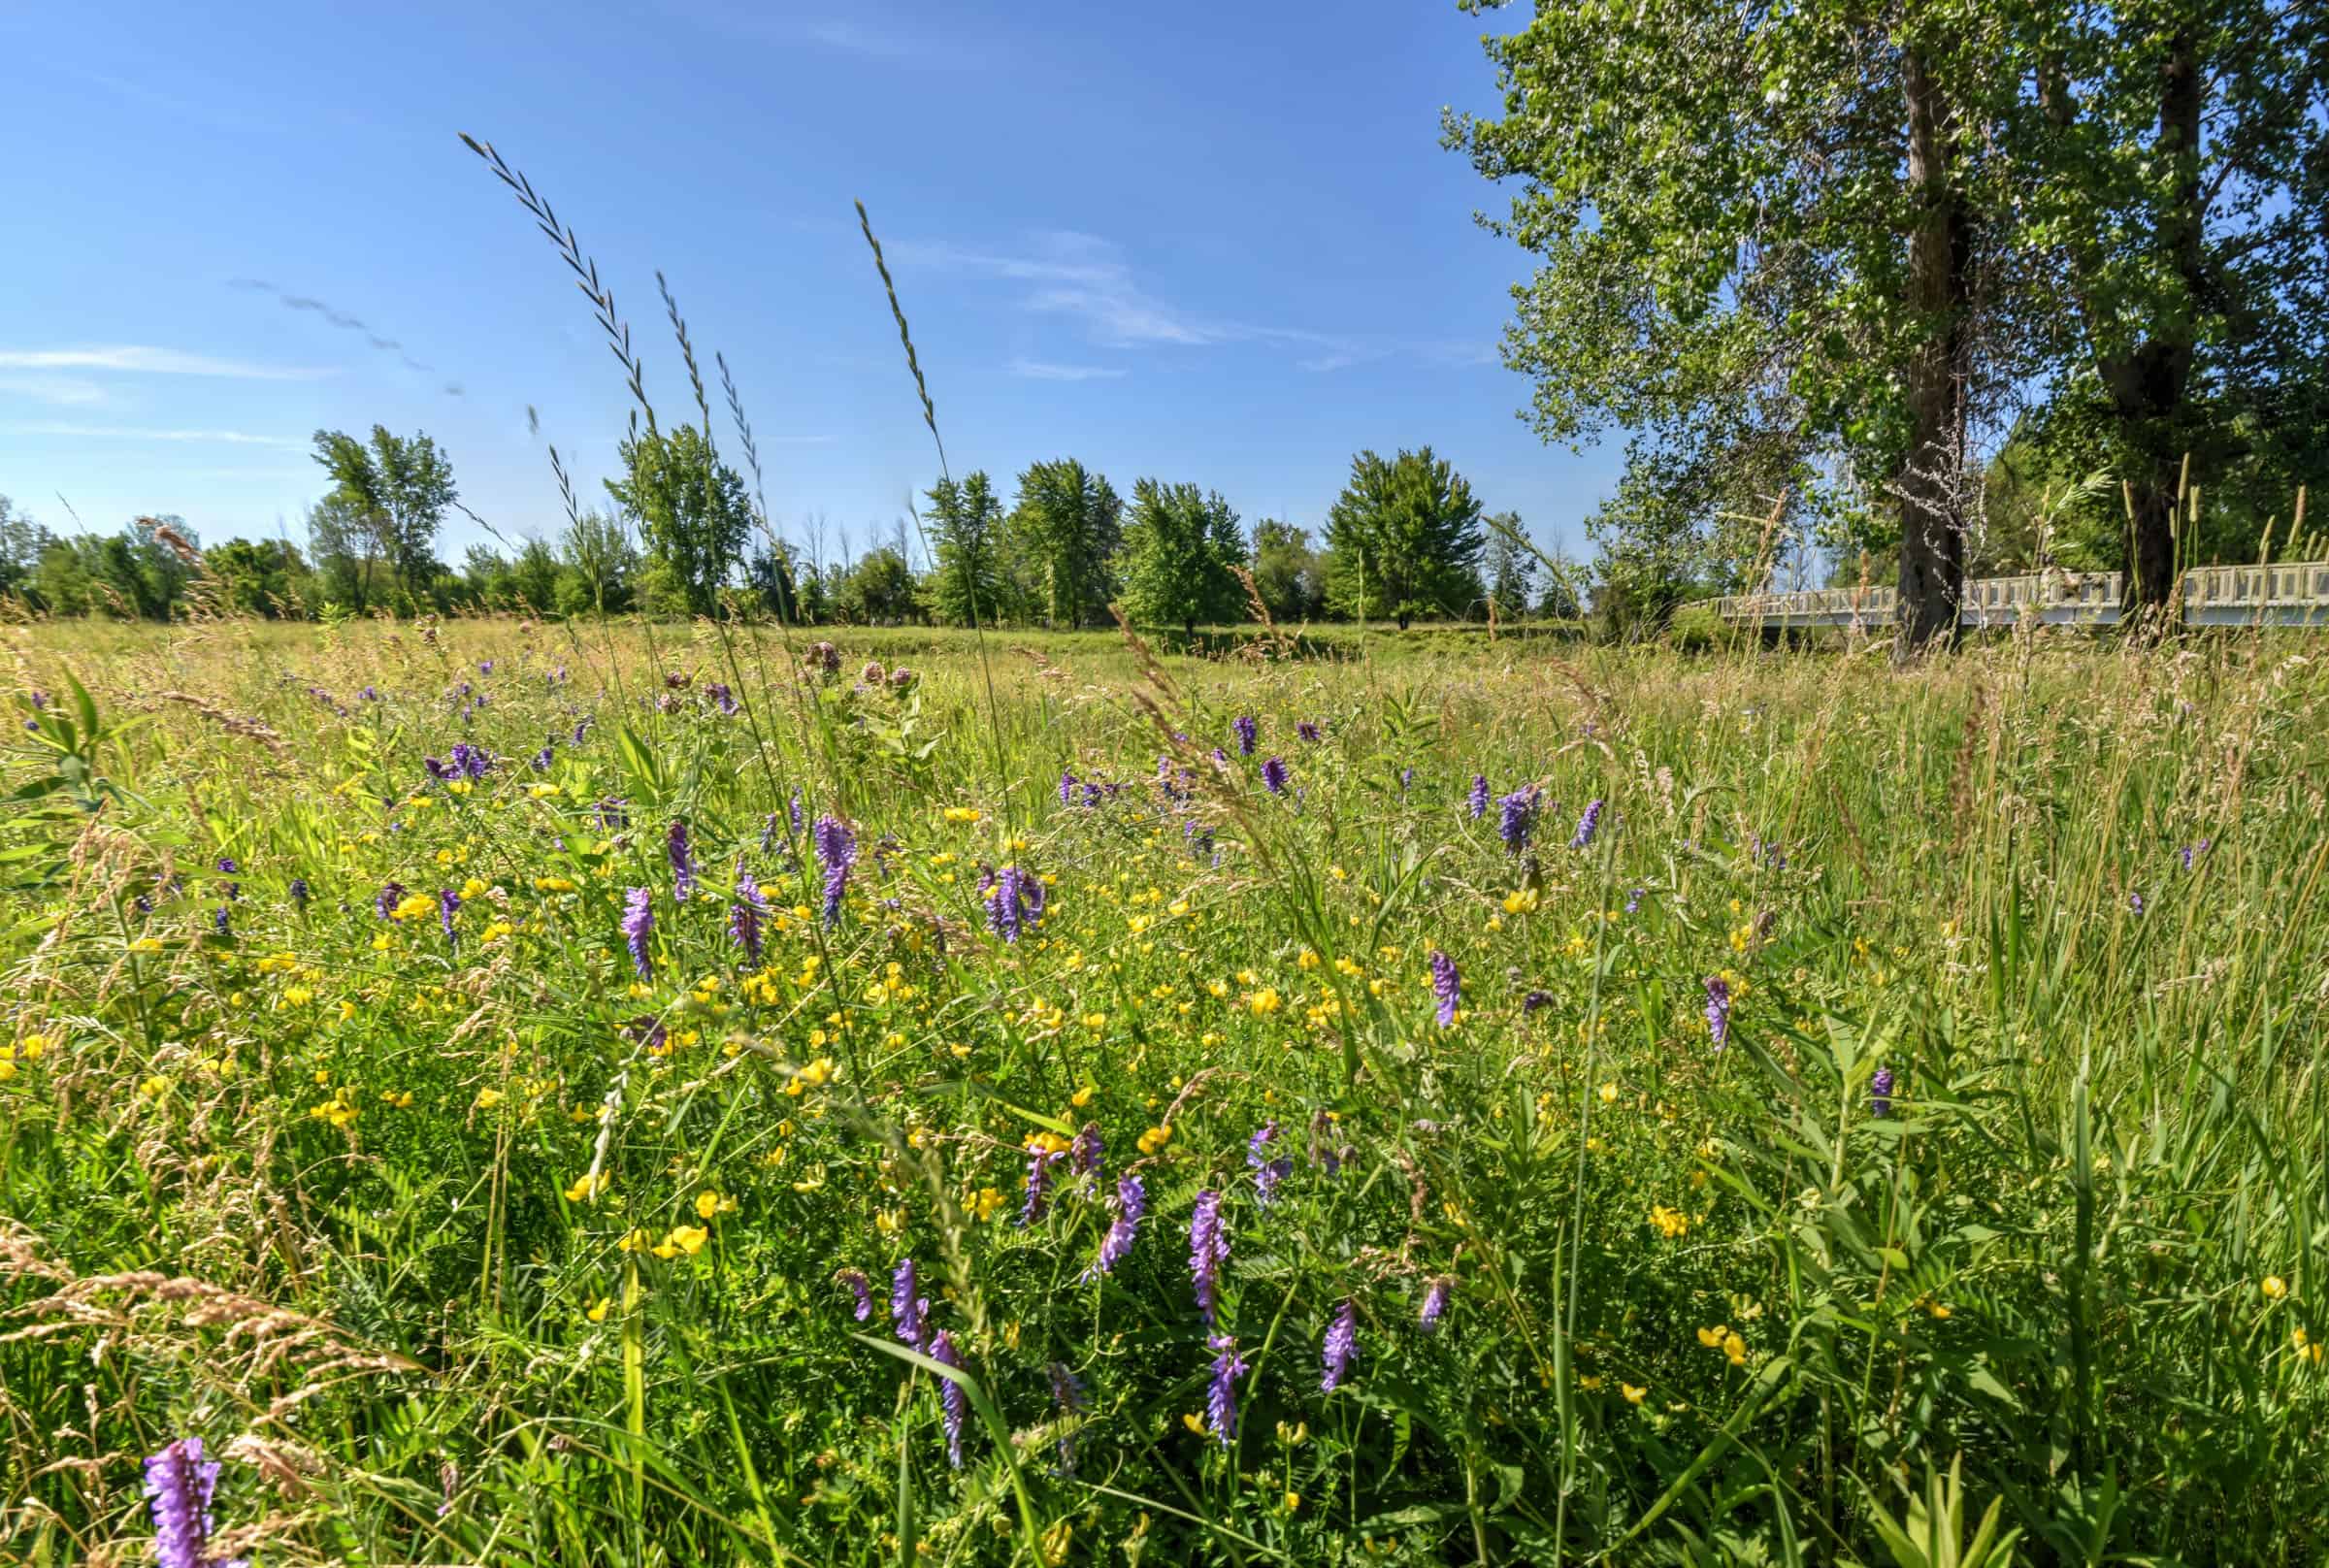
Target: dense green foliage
point(1181, 552)
point(1404, 539)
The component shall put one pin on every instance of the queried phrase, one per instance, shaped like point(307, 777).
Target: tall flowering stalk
point(1132, 1204)
point(1717, 1009)
point(683, 862)
point(906, 1309)
point(1517, 819)
point(1477, 800)
point(638, 926)
point(951, 1398)
point(1341, 1346)
point(1208, 1250)
point(178, 1481)
point(448, 904)
point(1249, 732)
point(1587, 826)
point(1014, 901)
point(837, 852)
point(744, 915)
point(1221, 1394)
point(1273, 775)
point(1446, 985)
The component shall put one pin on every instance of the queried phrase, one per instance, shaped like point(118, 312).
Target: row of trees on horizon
point(679, 535)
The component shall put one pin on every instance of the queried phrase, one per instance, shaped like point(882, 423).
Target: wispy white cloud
point(231, 438)
point(153, 361)
point(64, 390)
point(1038, 370)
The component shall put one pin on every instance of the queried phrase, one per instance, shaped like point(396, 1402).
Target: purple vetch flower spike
point(1536, 999)
point(638, 923)
point(1307, 730)
point(1221, 1394)
point(837, 852)
point(767, 834)
point(1248, 733)
point(1448, 986)
point(1273, 775)
point(1067, 784)
point(1014, 901)
point(905, 1307)
point(744, 924)
point(1717, 1009)
point(1088, 1153)
point(178, 1483)
point(1517, 819)
point(1633, 900)
point(223, 921)
point(2134, 903)
point(1267, 1172)
point(1435, 1304)
point(1406, 779)
point(722, 698)
point(1341, 1348)
point(299, 893)
point(683, 862)
point(855, 1279)
point(796, 813)
point(951, 1399)
point(391, 894)
point(542, 760)
point(1069, 1398)
point(1208, 1250)
point(448, 904)
point(1879, 1092)
point(1587, 826)
point(1132, 1205)
point(1477, 800)
point(1040, 1158)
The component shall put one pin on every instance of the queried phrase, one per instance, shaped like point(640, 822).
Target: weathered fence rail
point(2295, 593)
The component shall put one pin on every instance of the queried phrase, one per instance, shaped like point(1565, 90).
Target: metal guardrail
point(2293, 594)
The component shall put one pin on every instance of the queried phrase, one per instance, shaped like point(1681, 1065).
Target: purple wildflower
point(1132, 1204)
point(299, 893)
point(1307, 730)
point(638, 923)
point(1342, 1347)
point(448, 904)
point(178, 1481)
point(472, 762)
point(1267, 1172)
point(2191, 850)
point(1536, 999)
point(223, 921)
point(1039, 1160)
point(683, 862)
point(951, 1399)
point(1248, 732)
point(837, 852)
point(795, 809)
point(855, 1279)
point(1717, 1009)
point(581, 729)
point(1633, 900)
point(1273, 775)
point(1406, 779)
point(610, 814)
point(1446, 985)
point(722, 696)
point(1587, 826)
point(767, 834)
point(542, 759)
point(1208, 1250)
point(743, 919)
point(232, 889)
point(391, 894)
point(1069, 1398)
point(1477, 800)
point(1088, 1153)
point(1519, 818)
point(905, 1307)
point(1879, 1092)
point(2134, 903)
point(1067, 784)
point(1220, 1394)
point(1015, 901)
point(1435, 1305)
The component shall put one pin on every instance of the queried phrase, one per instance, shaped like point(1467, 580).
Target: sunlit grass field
point(1527, 1103)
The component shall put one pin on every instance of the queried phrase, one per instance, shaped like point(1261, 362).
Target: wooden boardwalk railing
point(2294, 594)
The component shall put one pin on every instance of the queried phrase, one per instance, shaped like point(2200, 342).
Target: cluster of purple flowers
point(1268, 1171)
point(1014, 901)
point(391, 894)
point(1341, 1348)
point(299, 893)
point(722, 698)
point(1208, 1250)
point(464, 762)
point(1221, 1392)
point(1477, 800)
point(1879, 1092)
point(1273, 775)
point(178, 1483)
point(683, 862)
point(1069, 1398)
point(744, 914)
point(1040, 1158)
point(1435, 1304)
point(1447, 985)
point(226, 867)
point(837, 852)
point(1517, 819)
point(858, 1288)
point(1587, 826)
point(639, 924)
point(1249, 732)
point(906, 1308)
point(448, 904)
point(1717, 1009)
point(2200, 848)
point(1132, 1205)
point(1307, 730)
point(951, 1399)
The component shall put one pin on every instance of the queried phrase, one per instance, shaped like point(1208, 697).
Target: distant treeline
point(1406, 540)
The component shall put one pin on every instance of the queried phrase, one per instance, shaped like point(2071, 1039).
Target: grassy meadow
point(1788, 1103)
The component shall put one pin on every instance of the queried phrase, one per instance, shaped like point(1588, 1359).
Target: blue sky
point(1214, 242)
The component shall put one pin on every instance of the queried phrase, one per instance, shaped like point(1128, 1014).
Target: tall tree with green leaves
point(1774, 219)
point(2171, 157)
point(1404, 539)
point(1180, 553)
point(1288, 574)
point(398, 488)
point(691, 509)
point(1067, 526)
point(970, 581)
point(1508, 567)
point(598, 562)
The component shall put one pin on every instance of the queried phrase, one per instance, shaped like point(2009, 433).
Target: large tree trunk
point(2149, 382)
point(1932, 534)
